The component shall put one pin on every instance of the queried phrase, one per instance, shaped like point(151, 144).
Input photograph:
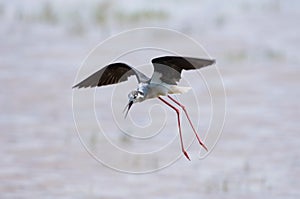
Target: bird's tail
point(179, 89)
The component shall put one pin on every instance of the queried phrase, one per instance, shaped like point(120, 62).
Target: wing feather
point(168, 68)
point(111, 74)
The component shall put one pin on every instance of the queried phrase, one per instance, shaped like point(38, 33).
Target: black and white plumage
point(167, 68)
point(166, 75)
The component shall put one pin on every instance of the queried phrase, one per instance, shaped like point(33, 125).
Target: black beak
point(128, 106)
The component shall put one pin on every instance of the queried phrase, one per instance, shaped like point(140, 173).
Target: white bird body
point(154, 90)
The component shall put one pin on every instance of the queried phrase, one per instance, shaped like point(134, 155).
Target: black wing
point(168, 69)
point(112, 74)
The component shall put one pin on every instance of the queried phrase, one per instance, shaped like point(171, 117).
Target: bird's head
point(134, 97)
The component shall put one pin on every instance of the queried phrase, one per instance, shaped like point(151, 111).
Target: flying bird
point(164, 80)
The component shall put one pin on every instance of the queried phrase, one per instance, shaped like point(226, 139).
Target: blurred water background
point(256, 44)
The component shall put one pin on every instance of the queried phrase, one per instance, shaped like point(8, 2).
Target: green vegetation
point(101, 12)
point(140, 16)
point(104, 12)
point(274, 54)
point(76, 22)
point(47, 14)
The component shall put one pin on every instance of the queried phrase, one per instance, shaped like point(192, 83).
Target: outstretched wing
point(112, 74)
point(168, 69)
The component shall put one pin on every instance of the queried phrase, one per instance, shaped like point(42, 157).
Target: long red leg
point(179, 126)
point(188, 117)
